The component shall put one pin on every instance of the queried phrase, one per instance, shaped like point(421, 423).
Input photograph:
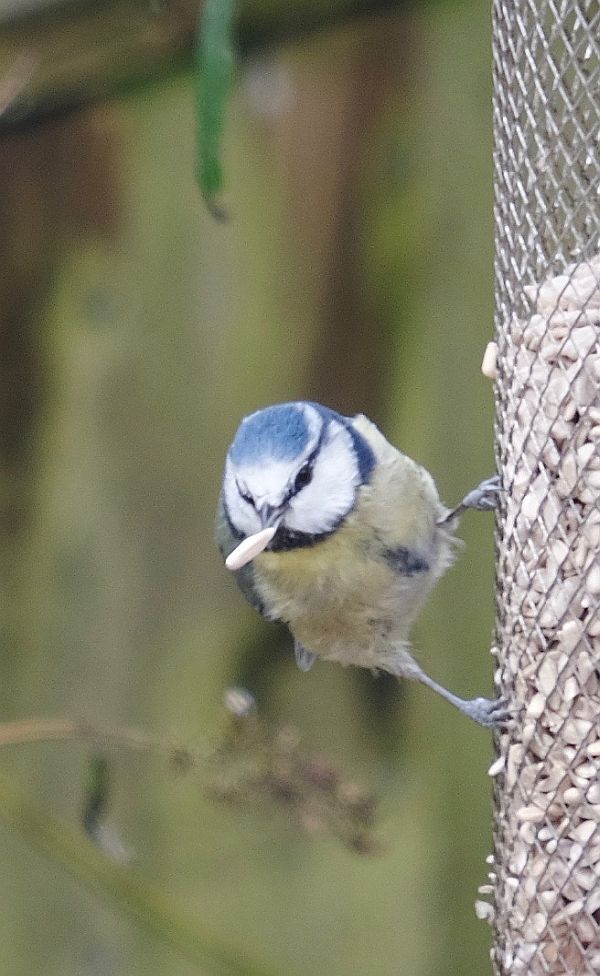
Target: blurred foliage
point(256, 762)
point(357, 270)
point(96, 795)
point(253, 763)
point(213, 80)
point(146, 905)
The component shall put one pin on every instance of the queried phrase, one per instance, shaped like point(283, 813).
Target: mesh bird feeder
point(546, 864)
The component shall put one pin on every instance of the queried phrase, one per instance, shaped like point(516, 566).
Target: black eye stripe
point(304, 476)
point(244, 494)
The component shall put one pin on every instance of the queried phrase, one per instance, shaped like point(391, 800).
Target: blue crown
point(278, 432)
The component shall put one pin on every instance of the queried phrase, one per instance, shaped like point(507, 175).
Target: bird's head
point(292, 475)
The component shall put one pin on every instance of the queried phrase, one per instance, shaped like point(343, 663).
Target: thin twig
point(69, 730)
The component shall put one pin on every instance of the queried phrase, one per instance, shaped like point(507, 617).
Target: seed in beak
point(249, 548)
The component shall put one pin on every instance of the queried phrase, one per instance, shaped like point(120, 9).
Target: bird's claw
point(485, 496)
point(493, 713)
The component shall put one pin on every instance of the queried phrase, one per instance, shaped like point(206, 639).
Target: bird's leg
point(304, 658)
point(490, 712)
point(484, 498)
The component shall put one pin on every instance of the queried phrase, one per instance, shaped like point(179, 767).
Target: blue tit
point(334, 531)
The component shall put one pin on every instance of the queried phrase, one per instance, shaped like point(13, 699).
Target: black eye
point(303, 478)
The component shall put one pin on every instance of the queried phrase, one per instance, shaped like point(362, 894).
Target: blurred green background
point(356, 269)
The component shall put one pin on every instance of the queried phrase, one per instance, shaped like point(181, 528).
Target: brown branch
point(36, 730)
point(253, 762)
point(83, 52)
point(70, 730)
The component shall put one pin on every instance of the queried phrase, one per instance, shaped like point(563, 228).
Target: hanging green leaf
point(214, 72)
point(96, 795)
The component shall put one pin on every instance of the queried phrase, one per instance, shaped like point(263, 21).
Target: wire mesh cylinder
point(546, 915)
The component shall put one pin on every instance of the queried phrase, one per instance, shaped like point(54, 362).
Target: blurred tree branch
point(252, 761)
point(80, 52)
point(65, 729)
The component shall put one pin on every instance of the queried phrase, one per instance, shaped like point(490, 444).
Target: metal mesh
point(546, 871)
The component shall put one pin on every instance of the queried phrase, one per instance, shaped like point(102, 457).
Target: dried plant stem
point(72, 730)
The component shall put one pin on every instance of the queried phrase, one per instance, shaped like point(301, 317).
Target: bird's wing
point(384, 451)
point(227, 542)
point(405, 505)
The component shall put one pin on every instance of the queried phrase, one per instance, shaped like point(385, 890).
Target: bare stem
point(71, 730)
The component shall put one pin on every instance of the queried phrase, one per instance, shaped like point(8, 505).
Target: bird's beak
point(250, 547)
point(270, 515)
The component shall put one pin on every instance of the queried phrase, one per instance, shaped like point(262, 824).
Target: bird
point(332, 530)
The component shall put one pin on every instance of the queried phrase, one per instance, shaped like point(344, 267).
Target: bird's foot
point(484, 498)
point(493, 713)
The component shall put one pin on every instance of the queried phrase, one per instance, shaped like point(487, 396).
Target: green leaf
point(213, 76)
point(95, 800)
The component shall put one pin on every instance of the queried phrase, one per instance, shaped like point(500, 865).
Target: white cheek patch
point(243, 517)
point(319, 506)
point(249, 548)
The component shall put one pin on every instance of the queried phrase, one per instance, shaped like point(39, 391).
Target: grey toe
point(493, 713)
point(485, 496)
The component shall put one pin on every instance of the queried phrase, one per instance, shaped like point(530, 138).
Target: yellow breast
point(342, 598)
